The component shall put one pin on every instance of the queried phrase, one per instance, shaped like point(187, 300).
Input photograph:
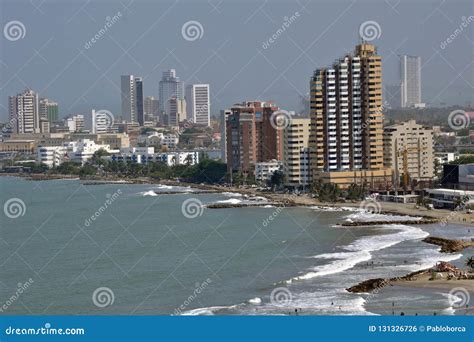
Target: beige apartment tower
point(408, 151)
point(296, 153)
point(346, 135)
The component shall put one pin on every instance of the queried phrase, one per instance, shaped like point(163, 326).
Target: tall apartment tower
point(223, 129)
point(132, 98)
point(150, 108)
point(410, 81)
point(250, 136)
point(170, 86)
point(177, 111)
point(296, 153)
point(24, 112)
point(100, 122)
point(48, 110)
point(409, 151)
point(346, 135)
point(198, 104)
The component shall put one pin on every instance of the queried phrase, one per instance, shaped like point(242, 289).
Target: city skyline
point(206, 60)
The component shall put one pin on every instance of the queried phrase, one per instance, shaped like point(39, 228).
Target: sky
point(227, 45)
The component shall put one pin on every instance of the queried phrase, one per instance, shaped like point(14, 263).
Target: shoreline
point(441, 216)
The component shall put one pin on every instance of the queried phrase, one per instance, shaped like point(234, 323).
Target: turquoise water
point(154, 259)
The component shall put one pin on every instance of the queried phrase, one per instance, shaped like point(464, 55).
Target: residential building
point(222, 123)
point(176, 111)
point(198, 104)
point(346, 135)
point(410, 81)
point(75, 123)
point(49, 110)
point(169, 86)
point(151, 108)
point(79, 151)
point(445, 157)
point(21, 146)
point(100, 122)
point(132, 98)
point(408, 151)
point(265, 170)
point(143, 155)
point(24, 112)
point(45, 125)
point(250, 136)
point(296, 166)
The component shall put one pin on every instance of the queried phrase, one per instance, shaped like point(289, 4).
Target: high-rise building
point(296, 153)
point(150, 108)
point(176, 110)
point(408, 151)
point(24, 112)
point(139, 100)
point(169, 86)
point(48, 110)
point(198, 104)
point(410, 81)
point(100, 122)
point(251, 137)
point(132, 98)
point(346, 136)
point(75, 123)
point(223, 129)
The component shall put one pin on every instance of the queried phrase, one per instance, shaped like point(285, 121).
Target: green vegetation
point(276, 180)
point(463, 160)
point(326, 192)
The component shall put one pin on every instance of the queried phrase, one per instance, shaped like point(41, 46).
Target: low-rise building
point(265, 170)
point(21, 146)
point(458, 176)
point(450, 198)
point(143, 155)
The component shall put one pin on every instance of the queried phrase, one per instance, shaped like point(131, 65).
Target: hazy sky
point(228, 53)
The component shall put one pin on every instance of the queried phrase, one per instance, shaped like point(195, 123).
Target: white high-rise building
point(170, 86)
point(198, 104)
point(410, 81)
point(177, 111)
point(75, 123)
point(100, 122)
point(24, 112)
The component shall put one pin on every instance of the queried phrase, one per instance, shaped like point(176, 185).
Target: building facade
point(132, 98)
point(198, 104)
point(24, 112)
point(169, 86)
point(346, 134)
point(48, 110)
point(250, 136)
point(410, 81)
point(296, 153)
point(265, 170)
point(151, 108)
point(408, 151)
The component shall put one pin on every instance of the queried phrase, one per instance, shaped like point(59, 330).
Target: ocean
point(120, 249)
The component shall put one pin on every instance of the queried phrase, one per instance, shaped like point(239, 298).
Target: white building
point(79, 152)
point(265, 170)
point(449, 198)
point(176, 111)
point(101, 121)
point(410, 81)
point(143, 155)
point(75, 123)
point(445, 157)
point(24, 112)
point(198, 104)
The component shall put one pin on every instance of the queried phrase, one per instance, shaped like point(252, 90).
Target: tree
point(277, 179)
point(470, 262)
